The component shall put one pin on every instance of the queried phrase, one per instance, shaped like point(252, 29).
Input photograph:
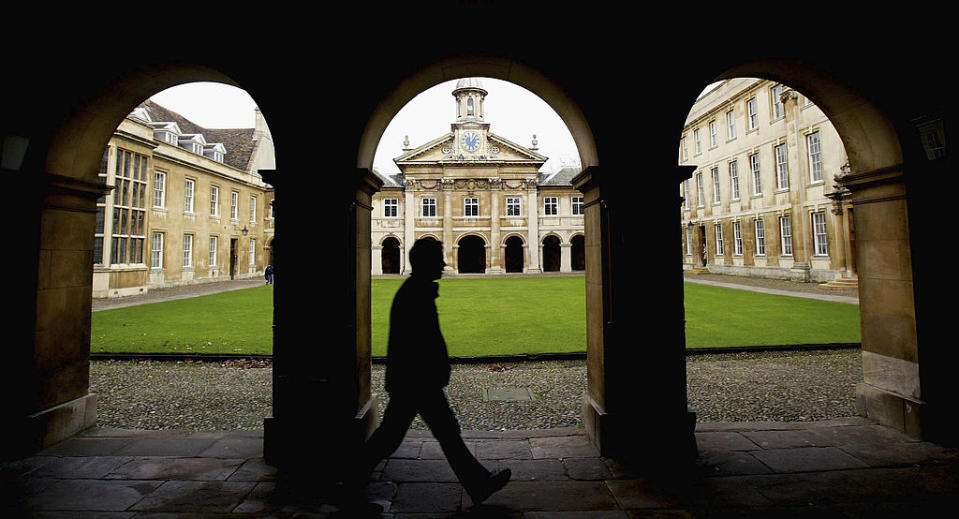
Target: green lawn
point(478, 317)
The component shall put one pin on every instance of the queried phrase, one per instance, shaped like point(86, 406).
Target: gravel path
point(773, 386)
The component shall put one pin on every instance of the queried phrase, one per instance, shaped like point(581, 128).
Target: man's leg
point(442, 422)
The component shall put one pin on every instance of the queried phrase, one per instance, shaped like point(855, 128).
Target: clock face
point(470, 141)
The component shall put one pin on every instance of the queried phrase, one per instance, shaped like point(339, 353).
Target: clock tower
point(470, 129)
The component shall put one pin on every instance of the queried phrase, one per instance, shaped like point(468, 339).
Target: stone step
point(840, 283)
point(698, 270)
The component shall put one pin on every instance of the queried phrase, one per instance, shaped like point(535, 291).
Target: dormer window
point(170, 137)
point(214, 151)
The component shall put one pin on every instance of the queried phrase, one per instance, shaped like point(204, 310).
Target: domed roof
point(469, 82)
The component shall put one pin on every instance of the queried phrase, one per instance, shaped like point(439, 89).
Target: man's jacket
point(416, 355)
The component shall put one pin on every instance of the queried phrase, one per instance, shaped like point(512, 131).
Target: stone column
point(565, 264)
point(448, 244)
point(409, 222)
point(533, 227)
point(496, 265)
point(377, 259)
point(890, 392)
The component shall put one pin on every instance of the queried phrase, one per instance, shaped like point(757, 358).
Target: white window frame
point(760, 227)
point(390, 207)
point(684, 149)
point(550, 206)
point(577, 205)
point(731, 125)
point(820, 238)
point(814, 152)
point(737, 238)
point(159, 189)
point(717, 196)
point(719, 239)
point(189, 192)
point(734, 179)
point(252, 252)
point(234, 205)
point(782, 166)
point(214, 246)
point(697, 141)
point(513, 206)
point(471, 206)
point(252, 209)
point(429, 208)
point(700, 197)
point(214, 200)
point(156, 250)
point(756, 169)
point(779, 110)
point(752, 113)
point(686, 203)
point(689, 240)
point(187, 251)
point(786, 235)
point(712, 133)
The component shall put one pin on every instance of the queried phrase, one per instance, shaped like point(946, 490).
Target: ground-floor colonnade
point(635, 406)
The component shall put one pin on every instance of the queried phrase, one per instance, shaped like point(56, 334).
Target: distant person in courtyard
point(417, 370)
point(268, 272)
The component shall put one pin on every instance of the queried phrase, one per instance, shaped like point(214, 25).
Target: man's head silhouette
point(426, 258)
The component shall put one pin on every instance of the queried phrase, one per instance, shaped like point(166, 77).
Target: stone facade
point(187, 205)
point(763, 200)
point(483, 196)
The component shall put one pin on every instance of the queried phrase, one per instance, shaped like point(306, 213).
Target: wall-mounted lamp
point(245, 231)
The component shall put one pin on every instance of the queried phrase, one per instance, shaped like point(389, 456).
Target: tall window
point(577, 205)
point(159, 189)
point(214, 201)
point(188, 191)
point(815, 156)
point(129, 208)
point(684, 149)
point(760, 237)
point(214, 245)
point(512, 206)
point(471, 207)
point(786, 235)
point(782, 172)
point(752, 114)
point(689, 241)
point(156, 250)
point(550, 206)
point(700, 199)
point(719, 239)
point(737, 239)
point(252, 209)
point(716, 195)
point(234, 205)
point(819, 233)
point(390, 206)
point(712, 133)
point(429, 207)
point(697, 141)
point(252, 252)
point(686, 194)
point(776, 93)
point(187, 250)
point(757, 176)
point(101, 211)
point(734, 179)
point(731, 124)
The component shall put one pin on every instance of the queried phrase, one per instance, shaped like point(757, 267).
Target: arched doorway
point(514, 254)
point(552, 255)
point(391, 256)
point(578, 252)
point(471, 255)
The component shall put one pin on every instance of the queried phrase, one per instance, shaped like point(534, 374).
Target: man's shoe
point(493, 483)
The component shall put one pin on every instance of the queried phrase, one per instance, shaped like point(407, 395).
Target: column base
point(643, 443)
point(890, 409)
point(53, 425)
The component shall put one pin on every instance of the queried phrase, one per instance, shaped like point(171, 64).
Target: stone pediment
point(443, 150)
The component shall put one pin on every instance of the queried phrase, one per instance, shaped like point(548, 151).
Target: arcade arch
point(471, 254)
point(514, 254)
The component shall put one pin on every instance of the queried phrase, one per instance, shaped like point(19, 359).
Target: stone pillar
point(533, 228)
point(635, 405)
point(496, 264)
point(448, 237)
point(890, 392)
point(565, 264)
point(409, 215)
point(377, 260)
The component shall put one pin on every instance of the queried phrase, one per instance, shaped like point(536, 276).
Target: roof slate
point(237, 141)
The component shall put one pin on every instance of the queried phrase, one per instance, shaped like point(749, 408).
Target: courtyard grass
point(479, 317)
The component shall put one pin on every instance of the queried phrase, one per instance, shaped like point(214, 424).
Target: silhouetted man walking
point(417, 370)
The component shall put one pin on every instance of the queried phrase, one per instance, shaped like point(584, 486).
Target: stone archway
point(471, 255)
point(391, 256)
point(514, 254)
point(552, 255)
point(578, 252)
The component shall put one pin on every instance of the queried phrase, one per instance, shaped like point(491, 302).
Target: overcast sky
point(512, 111)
